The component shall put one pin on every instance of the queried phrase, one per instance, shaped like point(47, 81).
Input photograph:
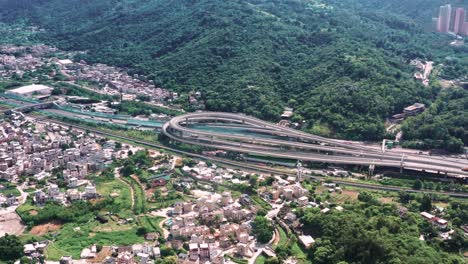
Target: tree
point(25, 260)
point(366, 197)
point(426, 203)
point(404, 197)
point(323, 255)
point(141, 231)
point(11, 248)
point(56, 91)
point(263, 229)
point(128, 170)
point(418, 184)
point(170, 260)
point(98, 247)
point(157, 194)
point(253, 180)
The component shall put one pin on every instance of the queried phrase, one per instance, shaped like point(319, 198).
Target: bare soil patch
point(33, 212)
point(277, 237)
point(386, 200)
point(43, 229)
point(352, 194)
point(105, 252)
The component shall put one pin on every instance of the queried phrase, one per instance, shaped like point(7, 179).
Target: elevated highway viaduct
point(269, 140)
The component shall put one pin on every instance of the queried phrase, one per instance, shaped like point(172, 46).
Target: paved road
point(293, 144)
point(246, 166)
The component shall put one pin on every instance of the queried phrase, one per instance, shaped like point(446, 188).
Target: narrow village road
point(162, 213)
point(10, 221)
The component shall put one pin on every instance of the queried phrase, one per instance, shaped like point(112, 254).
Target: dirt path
point(277, 237)
point(165, 232)
point(162, 213)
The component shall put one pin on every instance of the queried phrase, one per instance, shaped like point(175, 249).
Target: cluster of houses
point(145, 253)
point(216, 174)
point(212, 224)
point(24, 150)
point(17, 60)
point(39, 150)
point(436, 221)
point(114, 81)
point(208, 228)
point(52, 193)
point(441, 224)
point(35, 250)
point(287, 191)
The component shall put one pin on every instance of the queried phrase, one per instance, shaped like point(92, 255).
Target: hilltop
point(342, 65)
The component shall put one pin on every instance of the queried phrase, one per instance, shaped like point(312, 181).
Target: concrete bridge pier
point(371, 170)
point(402, 163)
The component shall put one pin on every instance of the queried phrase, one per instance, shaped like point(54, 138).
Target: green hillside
point(342, 65)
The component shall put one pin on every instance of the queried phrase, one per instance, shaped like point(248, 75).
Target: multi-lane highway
point(244, 165)
point(269, 140)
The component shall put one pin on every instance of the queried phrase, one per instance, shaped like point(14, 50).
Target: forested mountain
point(444, 125)
point(341, 64)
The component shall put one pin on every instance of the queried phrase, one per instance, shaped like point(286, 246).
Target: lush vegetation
point(341, 64)
point(78, 212)
point(135, 108)
point(368, 231)
point(263, 229)
point(11, 248)
point(9, 189)
point(120, 194)
point(444, 125)
point(73, 238)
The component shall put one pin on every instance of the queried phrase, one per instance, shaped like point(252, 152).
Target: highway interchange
point(286, 143)
point(269, 140)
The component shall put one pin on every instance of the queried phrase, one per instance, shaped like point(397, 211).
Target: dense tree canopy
point(262, 229)
point(370, 232)
point(343, 65)
point(11, 248)
point(443, 125)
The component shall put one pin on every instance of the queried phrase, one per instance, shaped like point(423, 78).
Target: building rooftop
point(414, 107)
point(30, 89)
point(307, 241)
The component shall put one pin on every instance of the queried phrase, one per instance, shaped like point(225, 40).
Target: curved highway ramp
point(244, 134)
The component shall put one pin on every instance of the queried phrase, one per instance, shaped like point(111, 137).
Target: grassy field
point(236, 260)
point(163, 204)
point(260, 202)
point(138, 195)
point(151, 223)
point(26, 208)
point(260, 259)
point(71, 240)
point(297, 251)
point(10, 191)
point(283, 237)
point(121, 194)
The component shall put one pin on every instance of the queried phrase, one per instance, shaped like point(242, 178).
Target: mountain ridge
point(340, 64)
